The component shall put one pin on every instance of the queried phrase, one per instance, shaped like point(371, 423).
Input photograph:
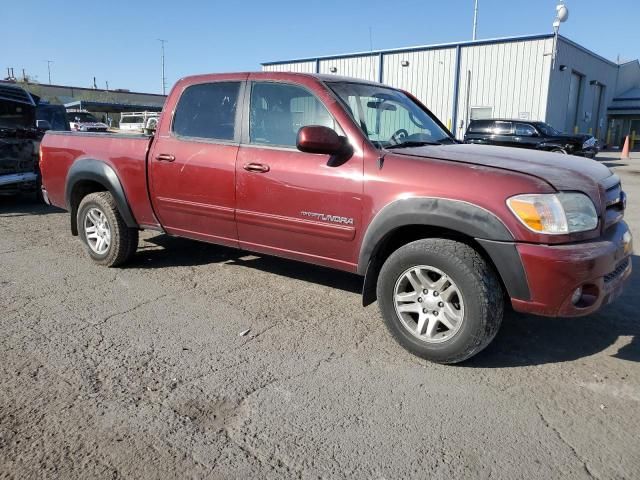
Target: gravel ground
point(142, 372)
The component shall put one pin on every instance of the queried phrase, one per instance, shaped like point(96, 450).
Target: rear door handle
point(256, 167)
point(165, 157)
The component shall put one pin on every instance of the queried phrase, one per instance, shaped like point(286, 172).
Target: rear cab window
point(207, 111)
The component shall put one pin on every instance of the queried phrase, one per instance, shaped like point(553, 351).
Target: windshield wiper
point(448, 140)
point(411, 143)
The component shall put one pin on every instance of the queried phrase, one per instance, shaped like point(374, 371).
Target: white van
point(138, 121)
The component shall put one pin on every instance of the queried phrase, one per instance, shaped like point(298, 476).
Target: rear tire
point(103, 231)
point(447, 283)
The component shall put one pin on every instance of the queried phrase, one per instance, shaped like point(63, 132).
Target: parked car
point(19, 139)
point(138, 121)
point(359, 177)
point(534, 135)
point(83, 121)
point(54, 115)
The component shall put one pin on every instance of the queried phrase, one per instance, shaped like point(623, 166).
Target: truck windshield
point(388, 117)
point(548, 129)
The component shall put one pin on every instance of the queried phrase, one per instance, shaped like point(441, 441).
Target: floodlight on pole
point(562, 15)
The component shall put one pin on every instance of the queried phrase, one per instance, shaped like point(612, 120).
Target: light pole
point(164, 80)
point(49, 62)
point(562, 15)
point(475, 20)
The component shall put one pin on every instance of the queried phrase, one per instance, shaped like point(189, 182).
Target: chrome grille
point(614, 200)
point(15, 94)
point(613, 195)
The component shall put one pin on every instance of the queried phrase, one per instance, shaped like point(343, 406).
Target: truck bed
point(126, 154)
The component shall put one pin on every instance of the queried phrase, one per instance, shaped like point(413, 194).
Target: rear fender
point(99, 172)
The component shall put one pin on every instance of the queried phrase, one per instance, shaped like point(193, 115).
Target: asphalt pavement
point(149, 372)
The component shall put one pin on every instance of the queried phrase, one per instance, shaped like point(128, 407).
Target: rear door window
point(525, 130)
point(502, 128)
point(207, 110)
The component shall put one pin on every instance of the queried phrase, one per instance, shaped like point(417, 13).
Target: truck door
point(192, 163)
point(292, 203)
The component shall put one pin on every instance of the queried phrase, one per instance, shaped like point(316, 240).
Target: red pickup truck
point(360, 177)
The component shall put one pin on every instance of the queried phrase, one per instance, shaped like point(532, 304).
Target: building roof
point(468, 43)
point(113, 90)
point(627, 103)
point(110, 107)
point(632, 94)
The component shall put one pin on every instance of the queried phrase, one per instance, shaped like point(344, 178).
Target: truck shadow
point(526, 340)
point(523, 340)
point(23, 205)
point(184, 252)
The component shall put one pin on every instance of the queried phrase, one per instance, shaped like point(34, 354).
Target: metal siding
point(365, 67)
point(511, 78)
point(297, 67)
point(628, 77)
point(429, 76)
point(592, 68)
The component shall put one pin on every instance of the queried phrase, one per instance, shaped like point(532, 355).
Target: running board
point(17, 178)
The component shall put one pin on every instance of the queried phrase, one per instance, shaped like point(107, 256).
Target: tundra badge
point(328, 218)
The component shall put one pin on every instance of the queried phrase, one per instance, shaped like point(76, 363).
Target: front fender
point(455, 215)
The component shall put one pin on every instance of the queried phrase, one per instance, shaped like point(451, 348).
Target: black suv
point(525, 134)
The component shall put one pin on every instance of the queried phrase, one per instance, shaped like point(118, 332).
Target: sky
point(117, 41)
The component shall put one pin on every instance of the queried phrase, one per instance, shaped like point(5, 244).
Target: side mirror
point(318, 139)
point(43, 125)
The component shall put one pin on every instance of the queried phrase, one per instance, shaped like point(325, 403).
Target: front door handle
point(256, 167)
point(165, 157)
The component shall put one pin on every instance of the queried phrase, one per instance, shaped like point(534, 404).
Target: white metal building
point(500, 78)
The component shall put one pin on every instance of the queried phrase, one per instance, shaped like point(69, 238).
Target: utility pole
point(475, 20)
point(49, 62)
point(164, 79)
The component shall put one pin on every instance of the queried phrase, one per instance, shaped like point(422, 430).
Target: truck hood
point(563, 172)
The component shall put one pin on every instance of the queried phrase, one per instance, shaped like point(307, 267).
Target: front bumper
point(554, 272)
point(589, 152)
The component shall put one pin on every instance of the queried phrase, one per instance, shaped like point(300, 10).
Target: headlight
point(555, 213)
point(589, 143)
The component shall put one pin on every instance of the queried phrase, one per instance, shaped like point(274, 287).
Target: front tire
point(440, 299)
point(103, 231)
